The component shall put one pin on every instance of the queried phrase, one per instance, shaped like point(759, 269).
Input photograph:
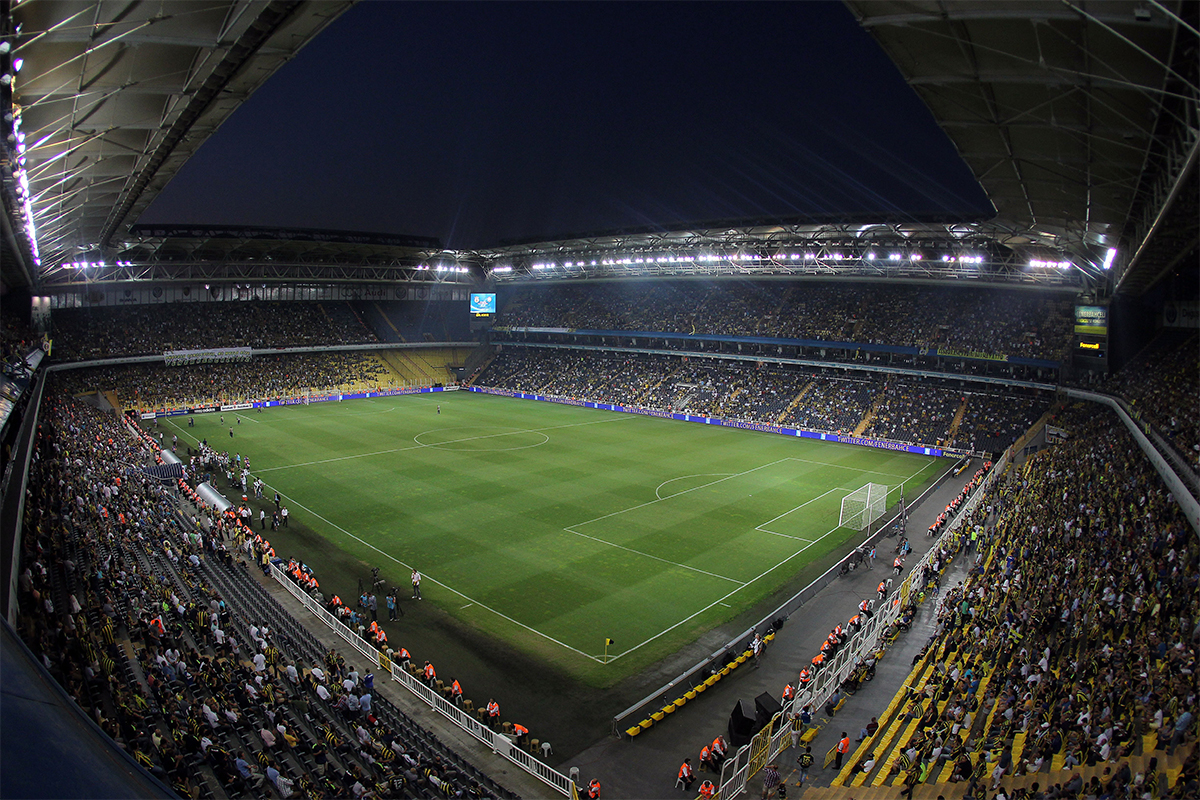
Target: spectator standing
point(771, 781)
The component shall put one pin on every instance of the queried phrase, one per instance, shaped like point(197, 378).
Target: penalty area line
point(721, 600)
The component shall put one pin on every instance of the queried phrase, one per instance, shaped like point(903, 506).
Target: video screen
point(483, 303)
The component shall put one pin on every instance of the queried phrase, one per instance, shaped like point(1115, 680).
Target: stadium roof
point(113, 97)
point(1078, 118)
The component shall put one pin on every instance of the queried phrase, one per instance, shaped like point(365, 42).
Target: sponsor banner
point(728, 423)
point(148, 415)
point(975, 354)
point(211, 355)
point(1056, 433)
point(205, 409)
point(1181, 314)
point(510, 329)
point(237, 406)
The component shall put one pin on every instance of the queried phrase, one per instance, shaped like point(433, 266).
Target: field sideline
point(554, 527)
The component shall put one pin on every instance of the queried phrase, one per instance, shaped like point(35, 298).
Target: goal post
point(863, 506)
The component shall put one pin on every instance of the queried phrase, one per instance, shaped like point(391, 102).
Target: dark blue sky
point(477, 123)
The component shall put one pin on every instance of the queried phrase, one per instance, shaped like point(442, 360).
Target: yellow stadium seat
point(727, 670)
point(712, 679)
point(679, 701)
point(690, 695)
point(646, 723)
point(658, 716)
point(699, 689)
point(669, 708)
point(634, 731)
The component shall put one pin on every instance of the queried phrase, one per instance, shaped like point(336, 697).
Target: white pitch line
point(436, 444)
point(763, 526)
point(685, 491)
point(656, 558)
point(684, 477)
point(425, 575)
point(854, 469)
point(248, 419)
point(722, 600)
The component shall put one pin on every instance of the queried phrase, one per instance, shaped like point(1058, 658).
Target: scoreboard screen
point(483, 304)
point(1091, 320)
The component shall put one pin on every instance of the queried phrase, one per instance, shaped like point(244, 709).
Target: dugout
point(208, 493)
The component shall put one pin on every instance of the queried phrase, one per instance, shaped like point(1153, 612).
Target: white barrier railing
point(499, 743)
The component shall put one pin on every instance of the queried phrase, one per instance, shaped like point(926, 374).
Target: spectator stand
point(1179, 490)
point(500, 744)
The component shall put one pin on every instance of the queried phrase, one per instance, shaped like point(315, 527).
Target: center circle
point(480, 439)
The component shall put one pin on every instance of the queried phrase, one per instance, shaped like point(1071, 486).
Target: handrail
point(499, 743)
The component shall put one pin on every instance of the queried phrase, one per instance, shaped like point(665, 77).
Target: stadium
point(823, 505)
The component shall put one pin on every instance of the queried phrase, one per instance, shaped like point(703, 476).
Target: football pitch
point(554, 527)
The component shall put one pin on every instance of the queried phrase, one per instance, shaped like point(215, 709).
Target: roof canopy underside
point(114, 97)
point(1064, 111)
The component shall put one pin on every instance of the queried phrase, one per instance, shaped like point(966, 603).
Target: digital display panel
point(1091, 320)
point(483, 303)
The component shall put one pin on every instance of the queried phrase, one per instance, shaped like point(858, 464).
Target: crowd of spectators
point(154, 386)
point(106, 332)
point(914, 412)
point(993, 322)
point(1076, 633)
point(906, 410)
point(1162, 387)
point(993, 421)
point(16, 341)
point(130, 606)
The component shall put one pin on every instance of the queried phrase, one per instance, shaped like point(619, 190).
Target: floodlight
point(871, 256)
point(17, 64)
point(1109, 256)
point(4, 47)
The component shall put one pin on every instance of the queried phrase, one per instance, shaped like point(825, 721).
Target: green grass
point(552, 527)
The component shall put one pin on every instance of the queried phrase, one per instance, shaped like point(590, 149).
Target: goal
point(863, 506)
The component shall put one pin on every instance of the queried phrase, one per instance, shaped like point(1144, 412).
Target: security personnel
point(719, 750)
point(430, 674)
point(789, 693)
point(805, 677)
point(706, 759)
point(687, 775)
point(455, 692)
point(493, 712)
point(593, 790)
point(521, 733)
point(843, 747)
point(707, 790)
point(882, 588)
point(865, 607)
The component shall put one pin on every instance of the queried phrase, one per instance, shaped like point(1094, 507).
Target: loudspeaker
point(741, 725)
point(765, 707)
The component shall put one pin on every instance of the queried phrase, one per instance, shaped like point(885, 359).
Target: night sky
point(480, 123)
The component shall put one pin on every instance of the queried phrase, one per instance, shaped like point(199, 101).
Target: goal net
point(863, 506)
